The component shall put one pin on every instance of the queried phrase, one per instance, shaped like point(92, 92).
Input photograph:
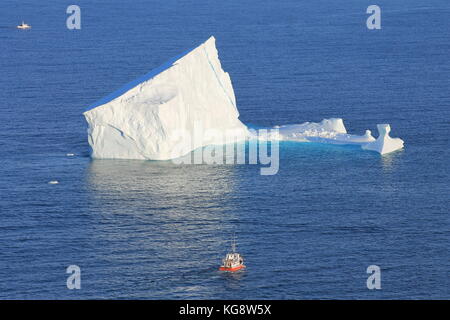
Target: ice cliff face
point(156, 116)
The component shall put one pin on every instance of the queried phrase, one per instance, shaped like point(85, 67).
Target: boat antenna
point(233, 244)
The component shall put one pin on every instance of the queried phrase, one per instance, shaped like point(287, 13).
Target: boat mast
point(233, 244)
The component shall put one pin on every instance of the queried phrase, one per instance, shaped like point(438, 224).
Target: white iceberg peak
point(150, 117)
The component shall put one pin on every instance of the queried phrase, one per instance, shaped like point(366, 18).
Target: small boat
point(233, 261)
point(23, 26)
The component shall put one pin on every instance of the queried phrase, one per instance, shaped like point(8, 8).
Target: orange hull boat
point(233, 261)
point(232, 269)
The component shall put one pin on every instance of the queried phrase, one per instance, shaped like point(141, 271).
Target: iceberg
point(173, 110)
point(151, 117)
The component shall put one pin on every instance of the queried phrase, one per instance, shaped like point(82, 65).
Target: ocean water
point(156, 230)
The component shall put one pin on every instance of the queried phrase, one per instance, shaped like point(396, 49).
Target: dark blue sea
point(157, 230)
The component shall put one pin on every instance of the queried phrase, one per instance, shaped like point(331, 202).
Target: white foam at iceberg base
point(333, 131)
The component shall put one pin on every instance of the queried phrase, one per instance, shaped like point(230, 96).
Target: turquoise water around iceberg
point(156, 230)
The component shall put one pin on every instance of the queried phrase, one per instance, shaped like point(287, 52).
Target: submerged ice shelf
point(190, 95)
point(333, 131)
